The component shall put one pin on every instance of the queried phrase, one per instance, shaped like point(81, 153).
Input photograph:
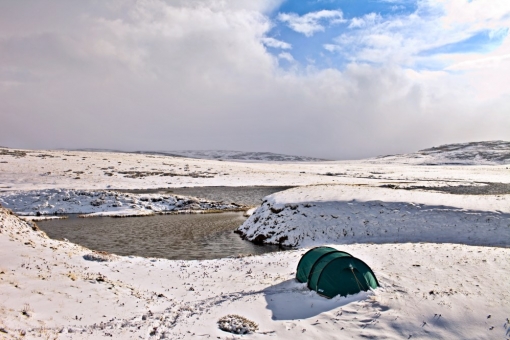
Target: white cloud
point(475, 15)
point(311, 23)
point(286, 56)
point(401, 39)
point(196, 75)
point(366, 20)
point(330, 47)
point(272, 42)
point(481, 63)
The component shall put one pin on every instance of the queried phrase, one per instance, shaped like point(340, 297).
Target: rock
point(276, 210)
point(259, 239)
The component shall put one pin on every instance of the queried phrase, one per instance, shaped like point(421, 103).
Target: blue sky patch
point(309, 50)
point(350, 8)
point(312, 28)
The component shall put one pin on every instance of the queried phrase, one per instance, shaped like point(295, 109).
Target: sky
point(336, 79)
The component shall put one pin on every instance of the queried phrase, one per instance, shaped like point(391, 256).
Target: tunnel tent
point(317, 267)
point(342, 276)
point(309, 258)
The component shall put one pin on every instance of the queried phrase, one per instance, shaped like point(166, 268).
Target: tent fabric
point(319, 265)
point(308, 260)
point(345, 276)
point(331, 272)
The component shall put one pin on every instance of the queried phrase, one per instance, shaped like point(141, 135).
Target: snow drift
point(342, 215)
point(105, 203)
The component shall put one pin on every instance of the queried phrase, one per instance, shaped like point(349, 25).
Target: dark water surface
point(251, 196)
point(183, 237)
point(485, 189)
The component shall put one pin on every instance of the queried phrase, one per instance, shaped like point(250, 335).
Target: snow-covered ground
point(342, 214)
point(475, 153)
point(105, 203)
point(442, 259)
point(36, 169)
point(49, 289)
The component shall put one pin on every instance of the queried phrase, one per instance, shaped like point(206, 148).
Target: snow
point(42, 170)
point(235, 155)
point(342, 214)
point(427, 291)
point(42, 218)
point(442, 263)
point(474, 153)
point(104, 203)
point(250, 212)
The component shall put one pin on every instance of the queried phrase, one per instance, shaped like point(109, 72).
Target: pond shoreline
point(171, 236)
point(251, 195)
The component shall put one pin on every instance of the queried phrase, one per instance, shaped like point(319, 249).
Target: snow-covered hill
point(222, 155)
point(238, 155)
point(341, 214)
point(474, 153)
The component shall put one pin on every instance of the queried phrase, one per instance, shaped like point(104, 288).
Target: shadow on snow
point(290, 300)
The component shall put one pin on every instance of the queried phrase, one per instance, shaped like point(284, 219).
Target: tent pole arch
point(320, 285)
point(308, 260)
point(371, 271)
point(319, 265)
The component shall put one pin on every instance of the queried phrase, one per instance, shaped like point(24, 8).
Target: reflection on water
point(184, 237)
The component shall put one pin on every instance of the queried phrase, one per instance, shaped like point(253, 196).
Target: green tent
point(342, 276)
point(309, 258)
point(318, 266)
point(331, 272)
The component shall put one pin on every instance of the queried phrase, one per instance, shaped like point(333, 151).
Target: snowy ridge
point(343, 215)
point(230, 155)
point(474, 153)
point(103, 203)
point(235, 155)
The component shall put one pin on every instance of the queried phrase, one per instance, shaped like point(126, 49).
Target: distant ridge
point(220, 155)
point(473, 153)
point(236, 155)
point(96, 150)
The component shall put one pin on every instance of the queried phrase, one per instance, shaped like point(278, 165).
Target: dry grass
point(237, 324)
point(26, 310)
point(72, 276)
point(99, 256)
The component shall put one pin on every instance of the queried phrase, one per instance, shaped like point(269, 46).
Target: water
point(183, 237)
point(250, 196)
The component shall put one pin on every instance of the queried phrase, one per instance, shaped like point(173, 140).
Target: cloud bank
point(169, 75)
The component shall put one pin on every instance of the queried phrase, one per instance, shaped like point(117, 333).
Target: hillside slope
point(474, 153)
